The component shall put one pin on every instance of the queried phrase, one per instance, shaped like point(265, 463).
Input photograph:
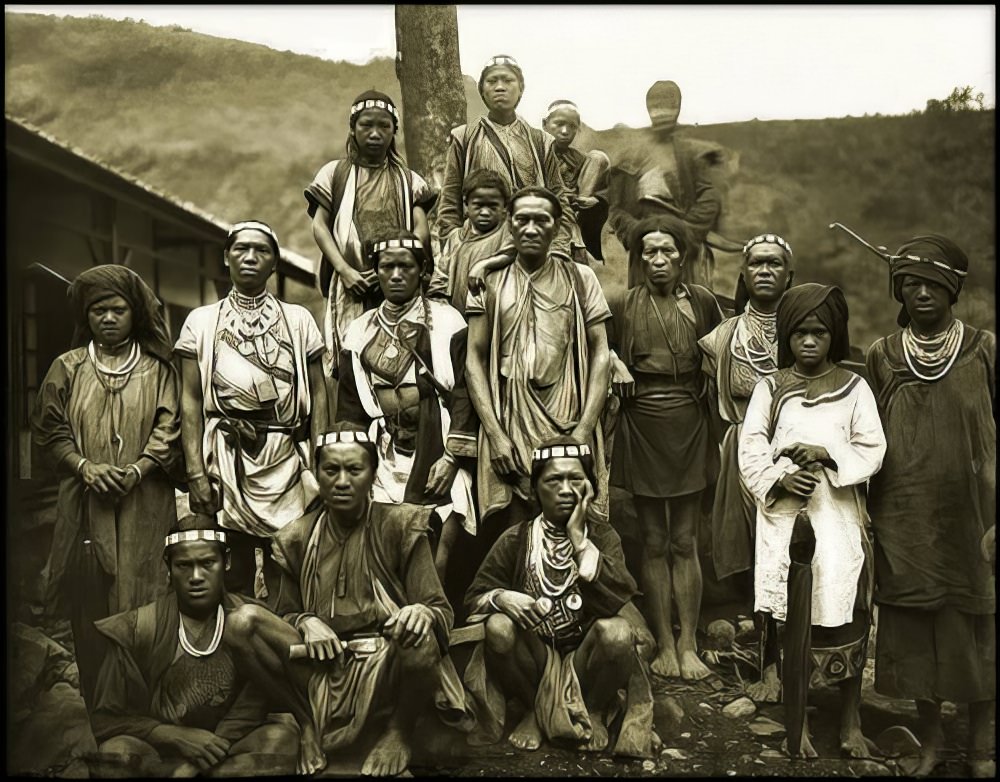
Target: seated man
point(562, 635)
point(366, 624)
point(172, 691)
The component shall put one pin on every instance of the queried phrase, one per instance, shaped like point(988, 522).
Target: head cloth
point(826, 302)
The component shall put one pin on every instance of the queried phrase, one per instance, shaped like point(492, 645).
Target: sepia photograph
point(500, 390)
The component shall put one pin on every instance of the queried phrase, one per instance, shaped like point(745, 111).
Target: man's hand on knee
point(201, 747)
point(410, 626)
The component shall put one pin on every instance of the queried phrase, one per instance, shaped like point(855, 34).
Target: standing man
point(934, 502)
point(253, 394)
point(665, 175)
point(505, 143)
point(537, 360)
point(737, 353)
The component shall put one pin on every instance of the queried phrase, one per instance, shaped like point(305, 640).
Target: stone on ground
point(741, 707)
point(897, 741)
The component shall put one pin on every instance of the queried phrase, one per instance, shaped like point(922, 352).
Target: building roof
point(31, 143)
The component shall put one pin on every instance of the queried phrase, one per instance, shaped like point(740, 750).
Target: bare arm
point(192, 434)
point(597, 381)
point(319, 416)
point(449, 208)
point(477, 375)
point(324, 240)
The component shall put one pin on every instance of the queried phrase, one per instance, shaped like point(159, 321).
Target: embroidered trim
point(188, 536)
point(374, 104)
point(559, 451)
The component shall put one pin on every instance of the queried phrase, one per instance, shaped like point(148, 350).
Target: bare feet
point(527, 735)
point(854, 744)
point(389, 756)
point(599, 734)
point(929, 757)
point(692, 668)
point(807, 749)
point(312, 759)
point(768, 689)
point(665, 663)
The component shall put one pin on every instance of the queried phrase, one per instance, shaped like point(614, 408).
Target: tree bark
point(430, 80)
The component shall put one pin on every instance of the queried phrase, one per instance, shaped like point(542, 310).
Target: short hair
point(483, 178)
point(586, 461)
point(661, 223)
point(538, 192)
point(347, 426)
point(420, 253)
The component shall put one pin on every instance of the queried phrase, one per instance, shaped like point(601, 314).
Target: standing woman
point(106, 417)
point(663, 451)
point(403, 367)
point(356, 199)
point(811, 439)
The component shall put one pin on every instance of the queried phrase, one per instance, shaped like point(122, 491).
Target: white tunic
point(842, 417)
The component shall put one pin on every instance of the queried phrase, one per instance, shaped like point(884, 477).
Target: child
point(585, 176)
point(484, 234)
point(354, 200)
point(810, 441)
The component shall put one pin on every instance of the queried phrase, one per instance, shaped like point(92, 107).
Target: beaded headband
point(559, 451)
point(347, 436)
point(562, 104)
point(404, 244)
point(371, 103)
point(212, 535)
point(767, 239)
point(253, 225)
point(501, 59)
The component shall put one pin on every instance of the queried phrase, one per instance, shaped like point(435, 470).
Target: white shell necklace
point(124, 369)
point(938, 351)
point(220, 623)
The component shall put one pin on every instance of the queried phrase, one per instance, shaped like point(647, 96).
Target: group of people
point(307, 488)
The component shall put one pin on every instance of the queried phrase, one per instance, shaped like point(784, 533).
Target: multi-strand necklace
point(220, 623)
point(389, 316)
point(115, 379)
point(251, 311)
point(761, 328)
point(930, 358)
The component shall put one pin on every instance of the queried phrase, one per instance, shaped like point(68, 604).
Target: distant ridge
point(238, 128)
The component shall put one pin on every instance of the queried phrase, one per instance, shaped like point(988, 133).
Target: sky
point(733, 63)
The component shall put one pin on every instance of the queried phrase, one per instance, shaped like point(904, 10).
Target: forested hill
point(239, 129)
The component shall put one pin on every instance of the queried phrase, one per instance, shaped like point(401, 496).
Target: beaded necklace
point(220, 623)
point(933, 355)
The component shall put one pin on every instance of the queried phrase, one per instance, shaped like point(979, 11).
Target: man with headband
point(562, 635)
point(253, 389)
point(665, 173)
point(934, 501)
point(737, 353)
point(585, 175)
point(353, 201)
point(505, 143)
point(173, 695)
point(364, 637)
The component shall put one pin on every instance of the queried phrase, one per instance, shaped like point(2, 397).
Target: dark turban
point(102, 282)
point(937, 253)
point(827, 303)
point(660, 223)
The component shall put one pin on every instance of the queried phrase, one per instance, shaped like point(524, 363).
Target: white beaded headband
point(559, 451)
point(374, 103)
point(767, 239)
point(404, 244)
point(501, 59)
point(191, 535)
point(253, 225)
point(348, 436)
point(562, 104)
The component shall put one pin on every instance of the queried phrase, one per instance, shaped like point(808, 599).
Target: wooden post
point(430, 80)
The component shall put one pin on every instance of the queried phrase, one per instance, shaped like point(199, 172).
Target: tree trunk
point(430, 80)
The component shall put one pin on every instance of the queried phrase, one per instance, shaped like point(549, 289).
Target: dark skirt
point(662, 446)
point(935, 655)
point(734, 514)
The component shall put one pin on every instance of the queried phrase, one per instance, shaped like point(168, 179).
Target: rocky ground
point(708, 729)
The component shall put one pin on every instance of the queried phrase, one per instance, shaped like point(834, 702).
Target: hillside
point(240, 129)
